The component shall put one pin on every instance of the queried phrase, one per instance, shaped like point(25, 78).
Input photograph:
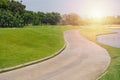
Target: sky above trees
point(85, 8)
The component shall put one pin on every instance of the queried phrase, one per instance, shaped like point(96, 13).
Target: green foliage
point(42, 17)
point(28, 17)
point(46, 18)
point(16, 7)
point(52, 18)
point(3, 4)
point(36, 20)
point(16, 16)
point(8, 20)
point(11, 13)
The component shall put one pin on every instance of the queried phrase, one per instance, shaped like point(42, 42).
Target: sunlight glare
point(97, 13)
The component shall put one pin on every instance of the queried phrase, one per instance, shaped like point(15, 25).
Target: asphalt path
point(81, 60)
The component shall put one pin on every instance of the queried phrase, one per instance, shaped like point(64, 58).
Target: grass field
point(21, 45)
point(113, 72)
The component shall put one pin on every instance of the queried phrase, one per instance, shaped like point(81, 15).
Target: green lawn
point(113, 72)
point(21, 45)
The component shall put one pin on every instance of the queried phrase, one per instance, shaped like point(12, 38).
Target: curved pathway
point(81, 60)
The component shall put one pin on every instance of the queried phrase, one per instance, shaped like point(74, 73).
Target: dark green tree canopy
point(4, 4)
point(11, 13)
point(16, 7)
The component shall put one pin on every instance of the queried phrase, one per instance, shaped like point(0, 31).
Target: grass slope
point(21, 45)
point(113, 72)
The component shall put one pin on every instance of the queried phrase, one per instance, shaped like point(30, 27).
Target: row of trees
point(104, 20)
point(111, 20)
point(13, 14)
point(39, 18)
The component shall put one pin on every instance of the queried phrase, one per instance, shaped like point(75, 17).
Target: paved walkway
point(81, 60)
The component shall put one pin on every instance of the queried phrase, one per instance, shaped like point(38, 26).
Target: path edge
point(33, 62)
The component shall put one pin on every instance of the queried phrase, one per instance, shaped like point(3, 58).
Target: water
point(110, 39)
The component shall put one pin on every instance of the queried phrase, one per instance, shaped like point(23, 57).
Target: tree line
point(14, 14)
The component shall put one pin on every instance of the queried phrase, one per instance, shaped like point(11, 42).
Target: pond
point(110, 39)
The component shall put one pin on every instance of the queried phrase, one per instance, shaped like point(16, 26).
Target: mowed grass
point(113, 72)
point(21, 45)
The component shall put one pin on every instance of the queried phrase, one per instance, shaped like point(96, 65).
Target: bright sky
point(85, 8)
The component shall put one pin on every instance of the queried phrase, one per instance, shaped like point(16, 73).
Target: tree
point(13, 14)
point(46, 18)
point(70, 19)
point(35, 19)
point(52, 18)
point(16, 7)
point(42, 17)
point(8, 20)
point(117, 20)
point(28, 17)
point(4, 4)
